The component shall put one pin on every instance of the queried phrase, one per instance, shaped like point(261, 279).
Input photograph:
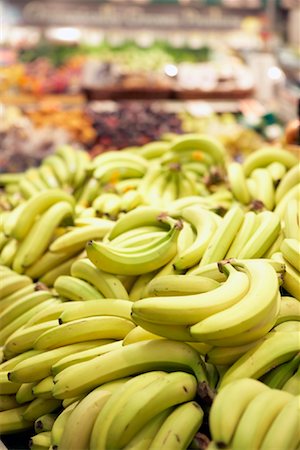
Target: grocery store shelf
point(25, 99)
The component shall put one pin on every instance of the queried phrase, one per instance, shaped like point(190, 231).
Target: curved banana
point(105, 346)
point(58, 167)
point(179, 427)
point(205, 226)
point(94, 308)
point(80, 236)
point(59, 425)
point(12, 420)
point(73, 288)
point(167, 391)
point(291, 227)
point(237, 182)
point(290, 248)
point(265, 191)
point(290, 179)
point(277, 377)
point(292, 385)
point(115, 403)
point(68, 155)
point(226, 356)
point(202, 143)
point(223, 236)
point(44, 422)
point(191, 309)
point(48, 176)
point(289, 310)
point(37, 206)
point(166, 285)
point(106, 283)
point(43, 389)
point(293, 193)
point(265, 234)
point(277, 347)
point(245, 233)
point(265, 156)
point(13, 283)
point(25, 393)
point(176, 332)
point(277, 171)
point(160, 252)
point(38, 366)
point(40, 441)
point(140, 286)
point(256, 305)
point(128, 360)
point(62, 269)
point(89, 192)
point(39, 237)
point(139, 334)
point(236, 396)
point(284, 431)
point(88, 329)
point(258, 418)
point(40, 406)
point(8, 402)
point(47, 262)
point(291, 277)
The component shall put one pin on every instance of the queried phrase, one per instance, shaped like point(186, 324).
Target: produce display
point(150, 299)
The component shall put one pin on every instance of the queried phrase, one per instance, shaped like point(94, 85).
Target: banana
point(73, 288)
point(83, 160)
point(115, 404)
point(290, 179)
point(140, 286)
point(290, 248)
point(88, 329)
point(265, 156)
point(89, 192)
point(129, 360)
point(48, 176)
point(226, 356)
point(209, 271)
point(59, 425)
point(33, 175)
point(80, 236)
point(277, 171)
point(249, 311)
point(265, 191)
point(258, 418)
point(36, 206)
point(11, 363)
point(78, 428)
point(166, 285)
point(39, 407)
point(38, 366)
point(145, 436)
point(68, 155)
point(201, 143)
point(24, 338)
point(291, 277)
point(92, 308)
point(277, 347)
point(237, 182)
point(52, 312)
point(289, 310)
point(40, 440)
point(191, 309)
point(293, 193)
point(105, 346)
point(27, 189)
point(275, 247)
point(179, 428)
point(39, 237)
point(204, 224)
point(119, 262)
point(8, 402)
point(139, 217)
point(223, 236)
point(106, 283)
point(9, 252)
point(135, 237)
point(113, 156)
point(291, 227)
point(13, 283)
point(58, 167)
point(6, 386)
point(25, 394)
point(121, 168)
point(176, 332)
point(47, 262)
point(284, 431)
point(277, 377)
point(22, 305)
point(292, 385)
point(18, 322)
point(245, 233)
point(236, 396)
point(44, 422)
point(128, 184)
point(12, 420)
point(130, 200)
point(172, 389)
point(11, 219)
point(154, 149)
point(139, 334)
point(266, 233)
point(43, 389)
point(62, 269)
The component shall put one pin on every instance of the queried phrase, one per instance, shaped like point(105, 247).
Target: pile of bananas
point(150, 299)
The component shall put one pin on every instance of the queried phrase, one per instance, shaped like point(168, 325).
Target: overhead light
point(65, 34)
point(275, 73)
point(171, 70)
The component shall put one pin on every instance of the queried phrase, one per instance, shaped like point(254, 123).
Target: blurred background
point(111, 74)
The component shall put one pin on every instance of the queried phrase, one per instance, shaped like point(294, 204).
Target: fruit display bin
point(150, 298)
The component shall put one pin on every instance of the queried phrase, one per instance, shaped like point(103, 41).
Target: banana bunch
point(247, 414)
